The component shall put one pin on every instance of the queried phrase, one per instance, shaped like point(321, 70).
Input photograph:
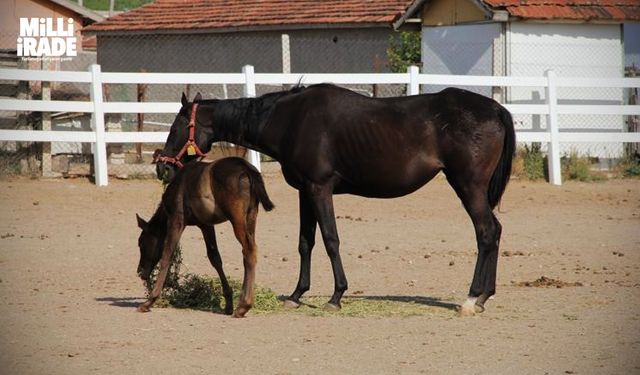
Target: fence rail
point(99, 138)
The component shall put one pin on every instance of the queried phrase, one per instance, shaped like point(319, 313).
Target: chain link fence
point(299, 51)
point(574, 58)
point(304, 51)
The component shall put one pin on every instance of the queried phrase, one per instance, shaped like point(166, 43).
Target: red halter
point(190, 147)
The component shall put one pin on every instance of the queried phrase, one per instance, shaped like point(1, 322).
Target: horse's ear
point(141, 223)
point(184, 100)
point(197, 98)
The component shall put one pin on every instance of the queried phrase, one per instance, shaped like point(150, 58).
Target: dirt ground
point(68, 254)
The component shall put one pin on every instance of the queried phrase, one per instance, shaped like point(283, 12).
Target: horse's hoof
point(331, 307)
point(470, 310)
point(143, 308)
point(290, 304)
point(228, 311)
point(466, 310)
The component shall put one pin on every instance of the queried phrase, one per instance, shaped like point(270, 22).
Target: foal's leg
point(322, 198)
point(244, 229)
point(306, 242)
point(174, 231)
point(213, 254)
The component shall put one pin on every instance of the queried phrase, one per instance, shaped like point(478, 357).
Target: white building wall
point(572, 50)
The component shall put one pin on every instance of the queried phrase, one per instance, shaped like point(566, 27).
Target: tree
point(404, 50)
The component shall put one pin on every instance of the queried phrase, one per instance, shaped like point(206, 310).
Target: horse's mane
point(243, 115)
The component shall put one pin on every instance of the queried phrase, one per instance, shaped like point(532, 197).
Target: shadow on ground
point(122, 301)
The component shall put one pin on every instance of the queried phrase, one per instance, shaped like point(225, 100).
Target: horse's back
point(385, 147)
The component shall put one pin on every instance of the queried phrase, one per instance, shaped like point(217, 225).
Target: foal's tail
point(258, 190)
point(502, 173)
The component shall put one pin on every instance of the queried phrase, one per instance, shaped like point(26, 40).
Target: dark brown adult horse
point(330, 140)
point(205, 194)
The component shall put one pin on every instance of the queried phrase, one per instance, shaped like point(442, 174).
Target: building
point(575, 38)
point(24, 156)
point(273, 36)
point(12, 10)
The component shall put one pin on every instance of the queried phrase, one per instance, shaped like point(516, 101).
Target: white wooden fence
point(413, 79)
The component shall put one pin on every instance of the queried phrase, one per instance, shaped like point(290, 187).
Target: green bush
point(404, 50)
point(631, 167)
point(575, 167)
point(532, 162)
point(118, 5)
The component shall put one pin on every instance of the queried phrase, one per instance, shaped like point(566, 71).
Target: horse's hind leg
point(213, 254)
point(244, 230)
point(488, 231)
point(483, 286)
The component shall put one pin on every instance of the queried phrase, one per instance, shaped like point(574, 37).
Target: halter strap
point(176, 160)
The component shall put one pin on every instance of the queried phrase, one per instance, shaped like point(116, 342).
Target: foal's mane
point(158, 222)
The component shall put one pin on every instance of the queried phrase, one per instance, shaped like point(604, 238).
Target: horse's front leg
point(322, 198)
point(213, 254)
point(245, 234)
point(306, 242)
point(171, 242)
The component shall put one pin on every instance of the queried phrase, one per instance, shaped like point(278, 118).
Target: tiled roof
point(576, 10)
point(235, 15)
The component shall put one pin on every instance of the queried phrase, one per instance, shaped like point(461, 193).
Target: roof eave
point(415, 6)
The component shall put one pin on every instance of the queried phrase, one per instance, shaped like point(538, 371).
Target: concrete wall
point(321, 51)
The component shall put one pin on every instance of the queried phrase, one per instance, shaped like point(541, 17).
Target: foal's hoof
point(239, 313)
point(143, 308)
point(331, 307)
point(290, 304)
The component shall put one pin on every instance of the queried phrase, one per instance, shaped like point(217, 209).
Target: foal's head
point(150, 243)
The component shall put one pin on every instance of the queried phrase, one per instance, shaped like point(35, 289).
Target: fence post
point(46, 125)
point(97, 123)
point(250, 92)
point(414, 87)
point(553, 155)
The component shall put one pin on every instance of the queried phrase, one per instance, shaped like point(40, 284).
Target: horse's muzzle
point(164, 172)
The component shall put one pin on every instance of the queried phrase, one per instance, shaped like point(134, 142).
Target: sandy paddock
point(67, 279)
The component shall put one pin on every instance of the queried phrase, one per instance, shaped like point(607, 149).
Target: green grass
point(377, 307)
point(205, 293)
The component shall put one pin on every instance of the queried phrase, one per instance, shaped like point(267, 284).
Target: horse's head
point(150, 245)
point(185, 141)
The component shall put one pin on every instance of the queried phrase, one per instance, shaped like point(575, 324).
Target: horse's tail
point(257, 188)
point(502, 173)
